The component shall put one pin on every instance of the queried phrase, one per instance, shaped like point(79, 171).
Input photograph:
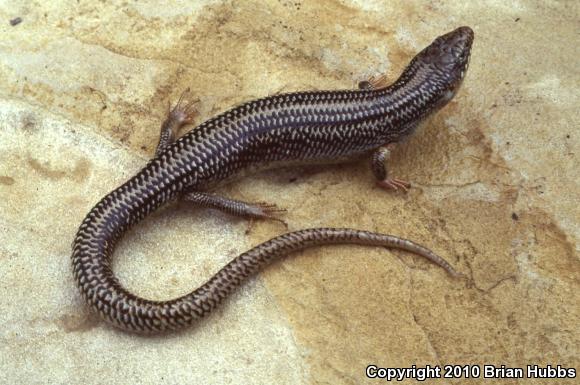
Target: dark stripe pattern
point(307, 127)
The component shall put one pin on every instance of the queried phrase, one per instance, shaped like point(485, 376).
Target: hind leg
point(260, 210)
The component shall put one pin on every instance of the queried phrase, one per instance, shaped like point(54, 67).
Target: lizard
point(279, 130)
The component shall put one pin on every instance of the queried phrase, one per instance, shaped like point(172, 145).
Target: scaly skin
point(305, 127)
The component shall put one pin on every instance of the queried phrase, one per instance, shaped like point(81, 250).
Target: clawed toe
point(374, 83)
point(266, 211)
point(269, 208)
point(394, 184)
point(184, 112)
point(269, 211)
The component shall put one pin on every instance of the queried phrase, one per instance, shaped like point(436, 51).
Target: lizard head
point(443, 64)
point(448, 58)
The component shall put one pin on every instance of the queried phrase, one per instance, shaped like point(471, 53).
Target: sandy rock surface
point(84, 87)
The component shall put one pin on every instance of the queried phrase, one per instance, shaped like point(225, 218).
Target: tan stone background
point(84, 86)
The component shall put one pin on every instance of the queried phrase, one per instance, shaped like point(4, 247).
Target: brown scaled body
point(305, 127)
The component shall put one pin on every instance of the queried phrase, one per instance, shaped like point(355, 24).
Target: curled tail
point(116, 305)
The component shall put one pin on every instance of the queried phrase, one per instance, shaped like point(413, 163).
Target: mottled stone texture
point(84, 86)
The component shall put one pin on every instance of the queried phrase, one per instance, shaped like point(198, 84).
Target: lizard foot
point(374, 83)
point(394, 184)
point(267, 211)
point(184, 112)
point(264, 210)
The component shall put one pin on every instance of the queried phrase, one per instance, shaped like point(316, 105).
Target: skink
point(302, 127)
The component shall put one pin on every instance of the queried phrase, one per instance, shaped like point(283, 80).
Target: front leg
point(380, 170)
point(180, 115)
point(374, 83)
point(235, 207)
